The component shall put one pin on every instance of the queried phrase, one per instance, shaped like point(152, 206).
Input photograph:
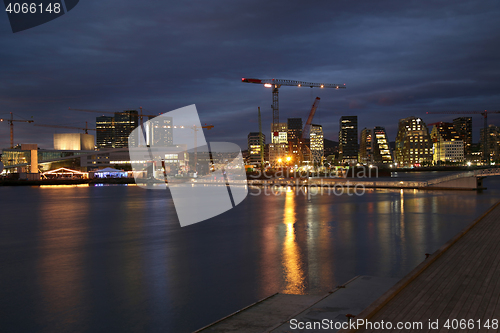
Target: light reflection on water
point(115, 259)
point(292, 263)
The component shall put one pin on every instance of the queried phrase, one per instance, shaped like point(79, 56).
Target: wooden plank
point(457, 283)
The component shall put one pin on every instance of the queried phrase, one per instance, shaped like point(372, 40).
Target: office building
point(254, 147)
point(278, 149)
point(160, 131)
point(294, 133)
point(463, 126)
point(365, 146)
point(316, 144)
point(348, 140)
point(447, 145)
point(413, 143)
point(381, 150)
point(125, 123)
point(113, 132)
point(105, 132)
point(493, 142)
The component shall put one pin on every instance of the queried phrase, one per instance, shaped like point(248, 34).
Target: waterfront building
point(365, 146)
point(278, 148)
point(113, 132)
point(463, 126)
point(73, 141)
point(160, 131)
point(413, 143)
point(492, 140)
point(316, 144)
point(254, 147)
point(348, 139)
point(447, 145)
point(381, 150)
point(294, 133)
point(105, 132)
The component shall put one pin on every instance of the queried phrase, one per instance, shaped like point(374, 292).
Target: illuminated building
point(279, 142)
point(492, 140)
point(294, 134)
point(348, 139)
point(316, 143)
point(463, 126)
point(381, 150)
point(105, 131)
point(254, 147)
point(73, 141)
point(413, 143)
point(365, 146)
point(447, 145)
point(113, 132)
point(159, 131)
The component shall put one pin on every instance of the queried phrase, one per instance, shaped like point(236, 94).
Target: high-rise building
point(365, 146)
point(493, 142)
point(254, 147)
point(316, 144)
point(348, 139)
point(278, 149)
point(105, 132)
point(160, 131)
point(413, 143)
point(125, 123)
point(381, 150)
point(294, 134)
point(447, 145)
point(463, 126)
point(113, 132)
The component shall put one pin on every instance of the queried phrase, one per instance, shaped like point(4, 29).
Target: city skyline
point(397, 60)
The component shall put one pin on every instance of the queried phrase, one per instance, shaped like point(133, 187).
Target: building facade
point(73, 141)
point(446, 143)
point(294, 135)
point(365, 146)
point(492, 140)
point(254, 147)
point(316, 144)
point(278, 148)
point(113, 132)
point(160, 131)
point(413, 143)
point(463, 126)
point(348, 140)
point(381, 150)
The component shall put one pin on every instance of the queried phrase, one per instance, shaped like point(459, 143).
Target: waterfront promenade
point(459, 281)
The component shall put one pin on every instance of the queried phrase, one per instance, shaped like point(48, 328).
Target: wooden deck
point(459, 281)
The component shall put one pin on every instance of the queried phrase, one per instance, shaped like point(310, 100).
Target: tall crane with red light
point(307, 129)
point(277, 83)
point(485, 117)
point(11, 125)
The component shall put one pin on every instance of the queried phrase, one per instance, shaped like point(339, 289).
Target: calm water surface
point(114, 258)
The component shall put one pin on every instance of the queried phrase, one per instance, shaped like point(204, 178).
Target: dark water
point(114, 259)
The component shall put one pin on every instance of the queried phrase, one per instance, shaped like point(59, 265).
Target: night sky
point(397, 58)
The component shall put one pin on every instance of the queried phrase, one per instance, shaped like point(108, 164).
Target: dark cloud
point(398, 58)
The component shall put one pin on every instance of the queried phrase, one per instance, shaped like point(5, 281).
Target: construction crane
point(11, 124)
point(261, 143)
point(307, 127)
point(485, 117)
point(277, 83)
point(140, 115)
point(86, 129)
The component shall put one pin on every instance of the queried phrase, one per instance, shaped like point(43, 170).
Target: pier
point(459, 281)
